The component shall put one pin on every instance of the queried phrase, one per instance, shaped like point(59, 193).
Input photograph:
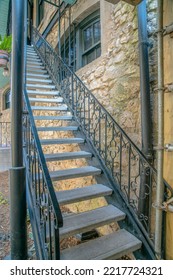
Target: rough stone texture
point(114, 77)
point(4, 114)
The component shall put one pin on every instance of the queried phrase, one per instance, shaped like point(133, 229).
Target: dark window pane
point(7, 100)
point(87, 38)
point(96, 28)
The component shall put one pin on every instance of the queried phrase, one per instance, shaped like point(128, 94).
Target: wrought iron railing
point(5, 134)
point(45, 213)
point(133, 175)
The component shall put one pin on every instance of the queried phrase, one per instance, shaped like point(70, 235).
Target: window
point(91, 42)
point(7, 99)
point(83, 44)
point(40, 10)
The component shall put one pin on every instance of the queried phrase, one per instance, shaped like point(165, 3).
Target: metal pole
point(160, 185)
point(17, 172)
point(59, 29)
point(146, 118)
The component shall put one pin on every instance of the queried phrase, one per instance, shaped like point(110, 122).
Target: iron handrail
point(48, 212)
point(124, 162)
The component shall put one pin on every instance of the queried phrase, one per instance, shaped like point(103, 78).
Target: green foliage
point(2, 199)
point(5, 44)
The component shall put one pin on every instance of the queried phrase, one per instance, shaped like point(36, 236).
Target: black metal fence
point(5, 134)
point(124, 162)
point(45, 214)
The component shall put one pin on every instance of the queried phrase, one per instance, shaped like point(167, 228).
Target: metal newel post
point(17, 172)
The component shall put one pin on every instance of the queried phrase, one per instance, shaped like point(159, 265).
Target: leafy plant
point(5, 44)
point(2, 199)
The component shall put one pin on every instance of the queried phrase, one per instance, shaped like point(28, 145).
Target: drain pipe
point(18, 232)
point(160, 185)
point(146, 118)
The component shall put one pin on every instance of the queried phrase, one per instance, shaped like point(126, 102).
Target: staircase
point(53, 117)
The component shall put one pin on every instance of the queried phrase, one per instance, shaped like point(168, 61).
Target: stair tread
point(85, 221)
point(49, 93)
point(67, 155)
point(112, 246)
point(81, 194)
point(34, 63)
point(52, 118)
point(74, 173)
point(32, 53)
point(41, 71)
point(35, 66)
point(40, 86)
point(57, 128)
point(49, 100)
point(52, 108)
point(37, 75)
point(62, 141)
point(39, 80)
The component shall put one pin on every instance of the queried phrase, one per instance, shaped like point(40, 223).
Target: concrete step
point(37, 86)
point(43, 108)
point(32, 54)
point(39, 67)
point(43, 93)
point(57, 128)
point(34, 63)
point(85, 221)
point(109, 247)
point(29, 75)
point(64, 141)
point(53, 118)
point(74, 173)
point(45, 81)
point(35, 70)
point(81, 194)
point(67, 156)
point(47, 100)
point(34, 59)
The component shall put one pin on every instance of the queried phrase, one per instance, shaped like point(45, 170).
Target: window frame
point(94, 45)
point(7, 103)
point(40, 11)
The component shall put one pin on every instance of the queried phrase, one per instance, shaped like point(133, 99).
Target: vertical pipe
point(160, 185)
point(17, 172)
point(146, 118)
point(69, 55)
point(59, 29)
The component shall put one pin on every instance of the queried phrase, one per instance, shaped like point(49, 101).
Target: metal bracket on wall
point(168, 30)
point(169, 147)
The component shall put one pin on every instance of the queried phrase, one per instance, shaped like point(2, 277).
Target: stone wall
point(114, 77)
point(4, 114)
